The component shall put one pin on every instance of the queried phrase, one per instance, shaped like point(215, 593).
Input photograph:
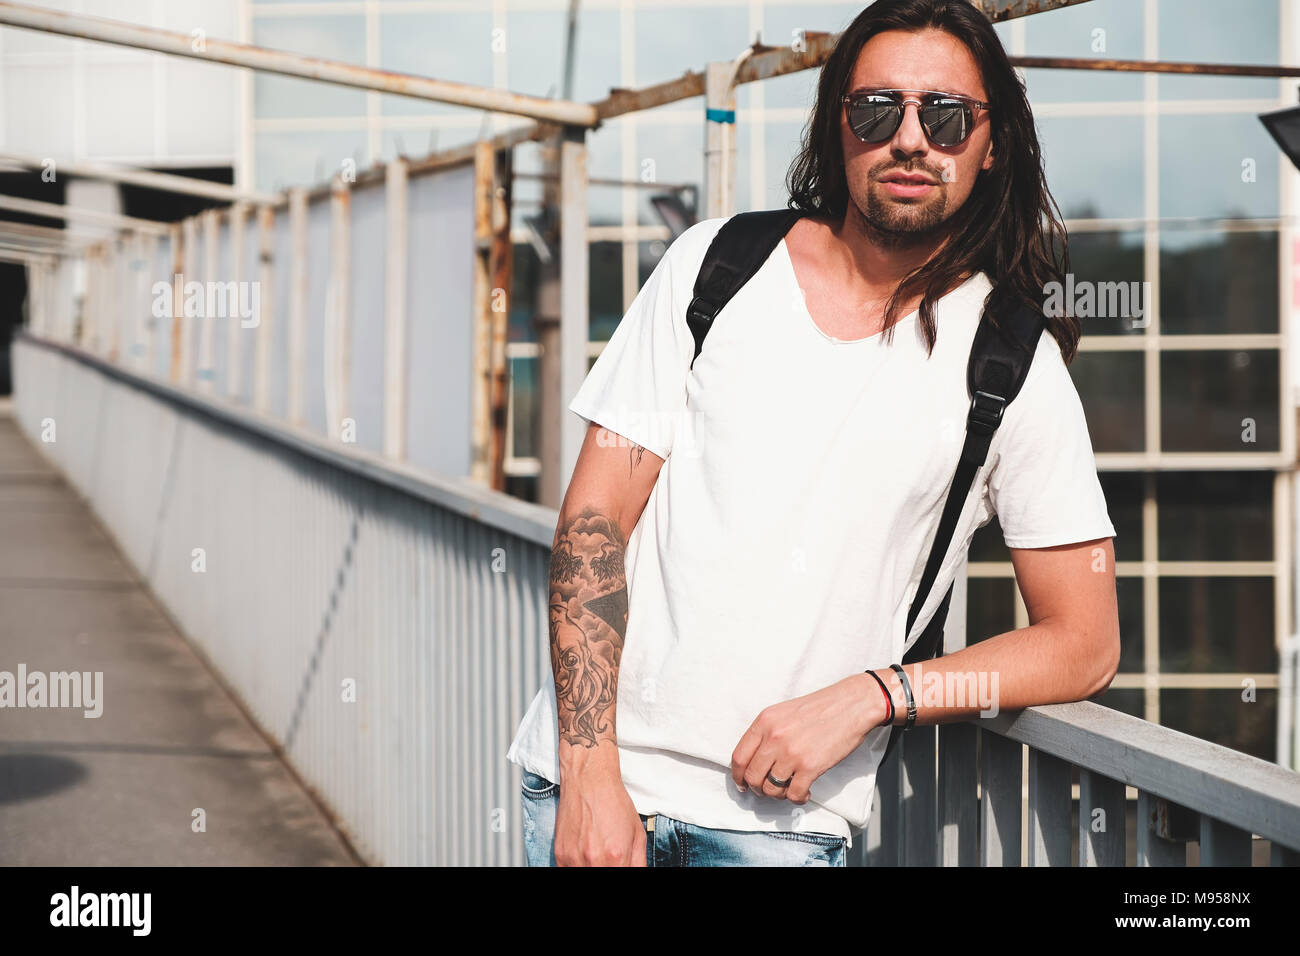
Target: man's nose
point(909, 139)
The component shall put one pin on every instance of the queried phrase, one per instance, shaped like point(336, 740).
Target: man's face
point(923, 60)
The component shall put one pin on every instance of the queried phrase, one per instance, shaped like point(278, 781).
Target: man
point(742, 536)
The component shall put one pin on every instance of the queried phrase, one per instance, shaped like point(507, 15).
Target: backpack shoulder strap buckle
point(701, 310)
point(986, 412)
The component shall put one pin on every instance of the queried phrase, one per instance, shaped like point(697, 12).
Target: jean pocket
point(537, 787)
point(827, 840)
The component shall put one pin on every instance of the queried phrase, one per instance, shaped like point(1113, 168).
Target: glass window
point(1214, 281)
point(780, 23)
point(432, 44)
point(523, 380)
point(1123, 491)
point(524, 280)
point(1222, 717)
point(1112, 388)
point(1219, 400)
point(1127, 700)
point(782, 141)
point(605, 278)
point(671, 40)
point(1094, 165)
point(1217, 624)
point(648, 256)
point(1219, 165)
point(1102, 29)
point(990, 608)
point(305, 158)
point(1128, 597)
point(1211, 31)
point(670, 152)
point(332, 37)
point(1215, 515)
point(987, 543)
point(1107, 290)
point(605, 161)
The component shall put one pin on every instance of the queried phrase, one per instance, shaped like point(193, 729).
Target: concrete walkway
point(122, 789)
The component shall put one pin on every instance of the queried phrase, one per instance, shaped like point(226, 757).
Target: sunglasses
point(947, 118)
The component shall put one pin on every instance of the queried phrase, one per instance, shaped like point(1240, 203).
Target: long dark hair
point(1009, 227)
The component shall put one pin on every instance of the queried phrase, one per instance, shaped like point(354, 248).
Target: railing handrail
point(1224, 784)
point(1237, 788)
point(532, 522)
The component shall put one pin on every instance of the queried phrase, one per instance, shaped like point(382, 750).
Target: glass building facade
point(1167, 182)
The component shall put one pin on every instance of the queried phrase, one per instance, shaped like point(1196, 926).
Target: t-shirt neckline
point(807, 315)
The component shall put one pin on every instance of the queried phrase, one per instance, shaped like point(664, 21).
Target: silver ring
point(778, 783)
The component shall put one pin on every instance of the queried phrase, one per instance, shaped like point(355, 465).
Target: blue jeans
point(671, 842)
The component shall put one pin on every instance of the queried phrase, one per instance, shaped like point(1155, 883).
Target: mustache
point(883, 169)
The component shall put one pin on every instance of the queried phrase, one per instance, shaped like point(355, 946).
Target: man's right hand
point(596, 823)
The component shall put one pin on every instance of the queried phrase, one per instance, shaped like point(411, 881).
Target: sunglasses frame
point(902, 101)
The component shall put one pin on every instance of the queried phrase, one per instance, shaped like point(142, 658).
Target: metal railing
point(387, 628)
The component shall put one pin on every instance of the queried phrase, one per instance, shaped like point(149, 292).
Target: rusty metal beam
point(999, 10)
point(147, 178)
point(1152, 66)
point(284, 63)
point(50, 210)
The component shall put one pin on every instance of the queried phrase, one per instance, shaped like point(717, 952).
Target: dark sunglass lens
point(873, 118)
point(947, 121)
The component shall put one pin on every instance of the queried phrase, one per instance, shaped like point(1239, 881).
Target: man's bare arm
point(596, 822)
point(588, 588)
point(1069, 651)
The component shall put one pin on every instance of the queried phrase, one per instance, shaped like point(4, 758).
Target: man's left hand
point(800, 739)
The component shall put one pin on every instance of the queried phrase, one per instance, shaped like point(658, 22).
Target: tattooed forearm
point(588, 624)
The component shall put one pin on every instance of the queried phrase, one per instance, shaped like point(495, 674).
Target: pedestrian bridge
point(321, 655)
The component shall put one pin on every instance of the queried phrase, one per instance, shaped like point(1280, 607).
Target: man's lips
point(903, 185)
point(908, 179)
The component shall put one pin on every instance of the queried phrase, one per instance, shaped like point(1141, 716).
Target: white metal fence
point(307, 576)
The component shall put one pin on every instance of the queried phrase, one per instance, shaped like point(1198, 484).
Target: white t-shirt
point(785, 536)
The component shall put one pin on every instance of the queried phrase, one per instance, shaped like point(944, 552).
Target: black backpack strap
point(999, 362)
point(737, 251)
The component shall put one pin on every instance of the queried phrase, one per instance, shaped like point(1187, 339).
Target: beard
point(899, 223)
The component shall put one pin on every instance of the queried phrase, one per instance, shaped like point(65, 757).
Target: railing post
point(719, 139)
point(1049, 810)
point(887, 821)
point(211, 238)
point(920, 806)
point(235, 327)
point(574, 268)
point(1161, 832)
point(266, 292)
point(338, 374)
point(1222, 844)
point(177, 280)
point(1000, 770)
point(1103, 819)
point(189, 268)
point(395, 317)
point(297, 304)
point(958, 795)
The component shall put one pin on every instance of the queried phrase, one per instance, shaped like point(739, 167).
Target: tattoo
point(634, 458)
point(588, 612)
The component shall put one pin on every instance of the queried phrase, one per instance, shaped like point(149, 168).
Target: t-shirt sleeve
point(1043, 483)
point(637, 386)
